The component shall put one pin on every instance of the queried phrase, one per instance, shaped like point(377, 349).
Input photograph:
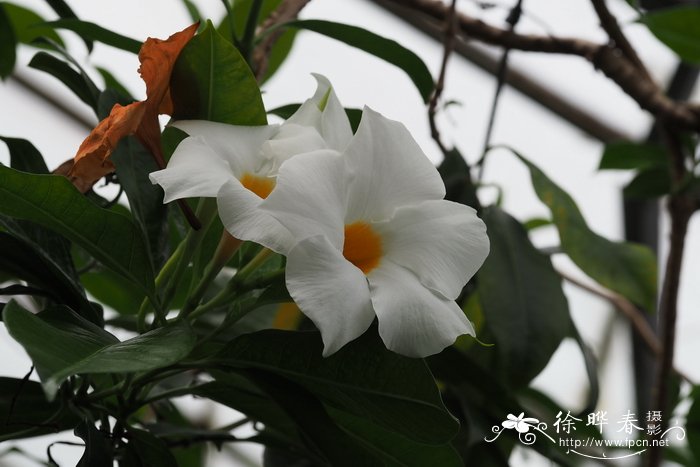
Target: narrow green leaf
point(591, 363)
point(363, 378)
point(212, 81)
point(52, 201)
point(97, 33)
point(111, 83)
point(23, 405)
point(649, 183)
point(530, 321)
point(67, 75)
point(678, 29)
point(626, 268)
point(54, 339)
point(8, 44)
point(393, 449)
point(24, 156)
point(192, 10)
point(381, 47)
point(63, 10)
point(146, 450)
point(28, 26)
point(22, 260)
point(314, 423)
point(133, 163)
point(536, 223)
point(99, 449)
point(625, 155)
point(154, 349)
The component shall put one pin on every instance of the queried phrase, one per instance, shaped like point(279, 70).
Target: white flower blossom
point(238, 164)
point(374, 237)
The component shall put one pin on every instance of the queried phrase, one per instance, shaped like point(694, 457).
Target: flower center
point(261, 186)
point(363, 246)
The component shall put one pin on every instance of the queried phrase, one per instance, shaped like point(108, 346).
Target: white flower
point(239, 164)
point(375, 237)
point(520, 423)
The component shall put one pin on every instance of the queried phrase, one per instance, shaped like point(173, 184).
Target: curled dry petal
point(157, 59)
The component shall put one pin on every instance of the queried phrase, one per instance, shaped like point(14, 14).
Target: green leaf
point(536, 223)
point(692, 424)
point(314, 423)
point(54, 339)
point(98, 446)
point(112, 290)
point(8, 44)
point(146, 450)
point(22, 260)
point(192, 10)
point(456, 176)
point(27, 25)
point(625, 155)
point(363, 378)
point(24, 406)
point(133, 163)
point(379, 46)
point(286, 111)
point(154, 349)
point(24, 156)
point(678, 29)
point(650, 183)
point(393, 449)
point(75, 81)
point(92, 31)
point(530, 321)
point(212, 81)
point(627, 268)
point(52, 201)
point(111, 83)
point(63, 10)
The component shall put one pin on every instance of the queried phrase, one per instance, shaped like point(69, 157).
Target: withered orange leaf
point(157, 58)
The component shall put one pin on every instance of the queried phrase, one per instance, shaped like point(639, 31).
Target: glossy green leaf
point(26, 412)
point(678, 29)
point(322, 434)
point(154, 349)
point(54, 339)
point(52, 201)
point(363, 378)
point(62, 71)
point(133, 163)
point(650, 183)
point(625, 155)
point(529, 322)
point(692, 424)
point(112, 83)
point(92, 31)
point(626, 268)
point(146, 450)
point(24, 156)
point(22, 260)
point(99, 449)
point(212, 81)
point(381, 47)
point(112, 290)
point(456, 176)
point(28, 26)
point(8, 44)
point(63, 10)
point(393, 449)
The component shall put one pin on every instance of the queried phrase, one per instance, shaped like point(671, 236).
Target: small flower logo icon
point(520, 423)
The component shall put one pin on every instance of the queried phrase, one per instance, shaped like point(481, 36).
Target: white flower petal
point(239, 145)
point(309, 198)
point(509, 424)
point(331, 122)
point(413, 321)
point(290, 140)
point(193, 170)
point(441, 242)
point(328, 289)
point(390, 170)
point(240, 213)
